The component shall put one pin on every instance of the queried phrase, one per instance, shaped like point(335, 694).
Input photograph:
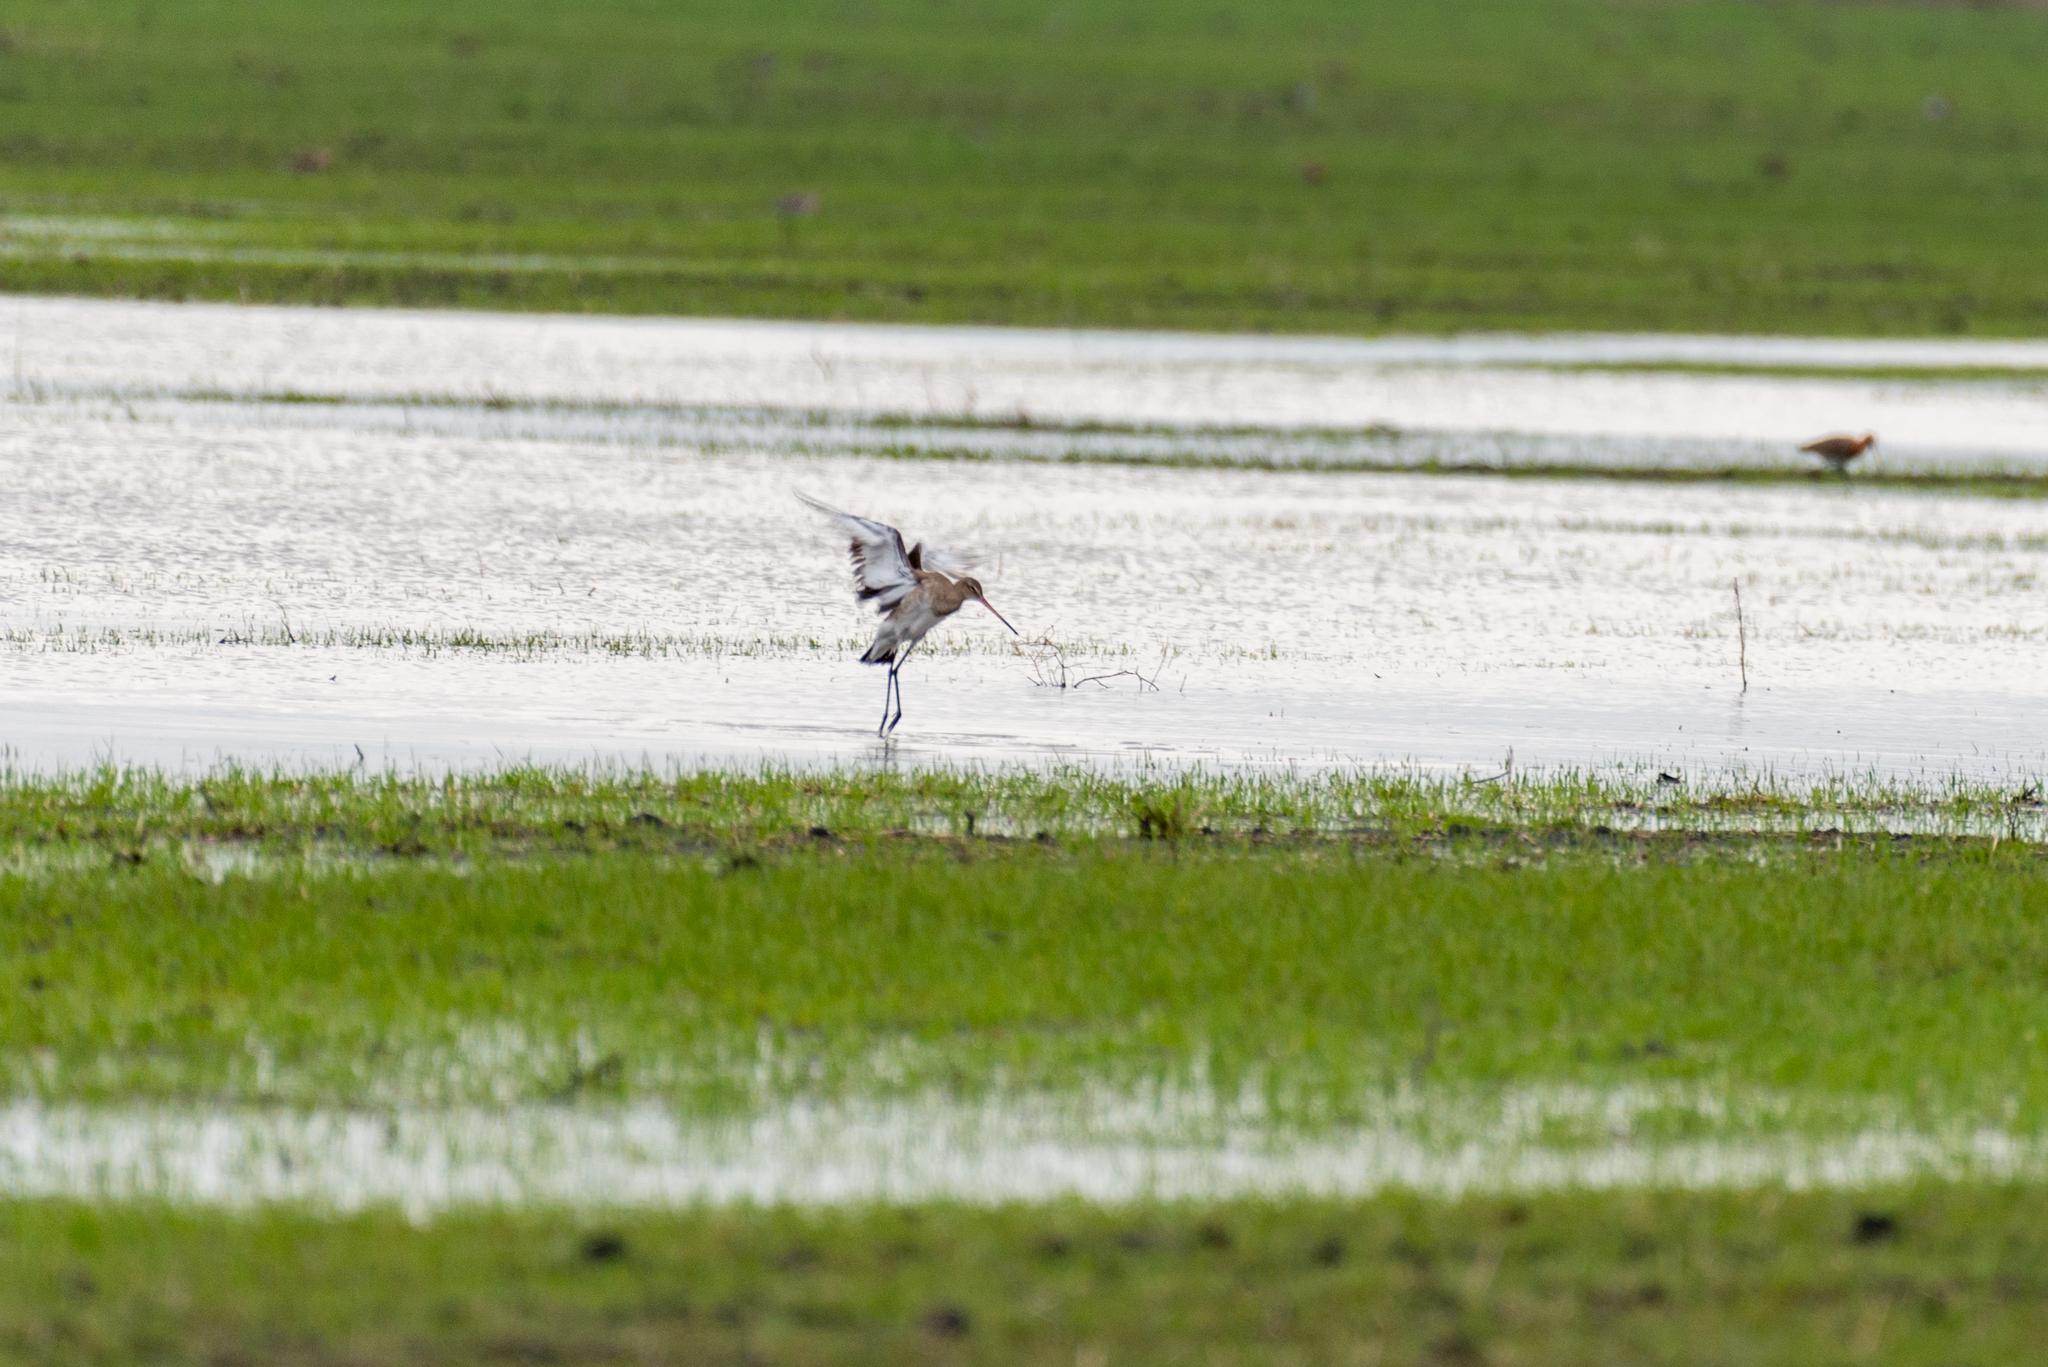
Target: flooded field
point(1595, 399)
point(421, 542)
point(570, 539)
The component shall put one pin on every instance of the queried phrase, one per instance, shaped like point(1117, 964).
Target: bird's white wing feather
point(881, 567)
point(954, 563)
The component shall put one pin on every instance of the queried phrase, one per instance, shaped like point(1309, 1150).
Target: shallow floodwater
point(1496, 398)
point(187, 578)
point(1098, 1147)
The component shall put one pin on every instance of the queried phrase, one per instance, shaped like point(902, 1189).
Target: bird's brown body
point(1839, 451)
point(935, 598)
point(906, 588)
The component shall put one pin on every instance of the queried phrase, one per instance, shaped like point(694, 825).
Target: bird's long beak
point(999, 617)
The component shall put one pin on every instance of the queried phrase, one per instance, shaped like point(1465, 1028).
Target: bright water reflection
point(1504, 389)
point(1100, 1147)
point(183, 580)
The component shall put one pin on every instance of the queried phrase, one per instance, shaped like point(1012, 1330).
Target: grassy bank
point(1949, 1274)
point(1746, 967)
point(1300, 165)
point(337, 942)
point(136, 812)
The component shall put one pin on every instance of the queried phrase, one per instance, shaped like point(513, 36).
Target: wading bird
point(1839, 451)
point(915, 590)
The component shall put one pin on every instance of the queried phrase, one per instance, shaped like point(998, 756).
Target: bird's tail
point(880, 653)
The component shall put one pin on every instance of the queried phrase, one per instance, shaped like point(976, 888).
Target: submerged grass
point(1993, 483)
point(1299, 165)
point(1375, 449)
point(432, 641)
point(1932, 374)
point(1927, 1274)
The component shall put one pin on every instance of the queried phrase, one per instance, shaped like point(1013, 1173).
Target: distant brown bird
point(1839, 451)
point(912, 588)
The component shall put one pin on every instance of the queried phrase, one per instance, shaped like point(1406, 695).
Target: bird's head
point(971, 587)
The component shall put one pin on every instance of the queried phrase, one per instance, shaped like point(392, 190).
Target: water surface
point(614, 567)
point(1098, 1147)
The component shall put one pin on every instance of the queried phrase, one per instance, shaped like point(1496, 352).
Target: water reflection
point(1092, 1144)
point(185, 580)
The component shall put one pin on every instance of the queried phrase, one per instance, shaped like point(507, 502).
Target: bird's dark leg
point(890, 724)
point(888, 687)
point(900, 659)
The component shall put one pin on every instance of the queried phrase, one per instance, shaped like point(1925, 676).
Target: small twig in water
point(1138, 674)
point(1507, 770)
point(1041, 674)
point(1741, 636)
point(1055, 672)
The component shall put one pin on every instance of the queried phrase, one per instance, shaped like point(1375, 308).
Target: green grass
point(1955, 1277)
point(349, 942)
point(714, 942)
point(1500, 163)
point(137, 811)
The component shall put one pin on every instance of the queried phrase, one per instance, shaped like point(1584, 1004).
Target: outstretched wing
point(883, 571)
point(951, 563)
